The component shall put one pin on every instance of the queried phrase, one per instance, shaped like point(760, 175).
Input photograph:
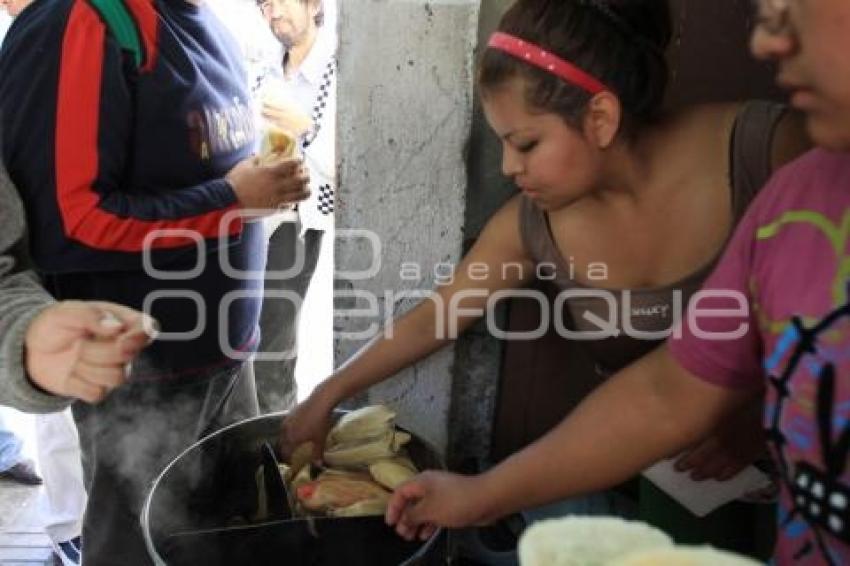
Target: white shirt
point(304, 89)
point(5, 23)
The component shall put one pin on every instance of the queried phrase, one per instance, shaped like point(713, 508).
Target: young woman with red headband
point(636, 198)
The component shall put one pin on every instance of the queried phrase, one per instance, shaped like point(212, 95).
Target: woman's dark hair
point(620, 42)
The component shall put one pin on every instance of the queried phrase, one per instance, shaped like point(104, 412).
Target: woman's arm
point(425, 329)
point(649, 411)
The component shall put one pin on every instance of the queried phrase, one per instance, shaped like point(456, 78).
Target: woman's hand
point(82, 349)
point(732, 447)
point(310, 421)
point(437, 499)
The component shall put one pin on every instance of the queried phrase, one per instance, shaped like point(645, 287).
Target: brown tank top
point(545, 379)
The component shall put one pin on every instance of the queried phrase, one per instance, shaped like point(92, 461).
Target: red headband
point(539, 57)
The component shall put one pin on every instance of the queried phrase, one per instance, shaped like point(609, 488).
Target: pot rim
point(144, 516)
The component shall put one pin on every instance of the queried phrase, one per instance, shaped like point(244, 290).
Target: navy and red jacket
point(110, 149)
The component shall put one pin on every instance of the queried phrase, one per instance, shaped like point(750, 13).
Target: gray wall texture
point(405, 110)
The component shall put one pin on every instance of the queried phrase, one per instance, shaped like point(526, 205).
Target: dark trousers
point(129, 438)
point(276, 388)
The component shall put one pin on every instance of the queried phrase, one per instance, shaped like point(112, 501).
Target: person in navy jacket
point(128, 131)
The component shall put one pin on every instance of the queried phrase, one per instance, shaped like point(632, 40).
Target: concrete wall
point(710, 58)
point(405, 108)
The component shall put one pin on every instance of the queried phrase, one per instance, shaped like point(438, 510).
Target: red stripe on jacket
point(147, 20)
point(77, 127)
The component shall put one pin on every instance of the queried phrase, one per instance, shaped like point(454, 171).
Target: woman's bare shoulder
point(705, 120)
point(699, 135)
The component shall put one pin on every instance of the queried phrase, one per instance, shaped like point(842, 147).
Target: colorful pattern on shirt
point(791, 257)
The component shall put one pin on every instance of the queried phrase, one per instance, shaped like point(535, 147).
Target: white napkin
point(703, 497)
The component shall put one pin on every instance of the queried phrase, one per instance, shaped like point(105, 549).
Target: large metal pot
point(202, 510)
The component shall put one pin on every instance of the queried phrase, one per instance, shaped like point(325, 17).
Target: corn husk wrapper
point(368, 508)
point(402, 459)
point(331, 474)
point(400, 440)
point(300, 479)
point(276, 145)
point(299, 460)
point(361, 425)
point(361, 455)
point(338, 493)
point(365, 457)
point(391, 474)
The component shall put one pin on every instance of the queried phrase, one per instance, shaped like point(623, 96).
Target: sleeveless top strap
point(538, 241)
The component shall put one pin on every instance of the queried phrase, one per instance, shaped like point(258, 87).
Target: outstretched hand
point(436, 499)
point(732, 447)
point(82, 349)
point(309, 421)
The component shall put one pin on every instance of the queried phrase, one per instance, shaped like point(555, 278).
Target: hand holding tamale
point(276, 146)
point(367, 460)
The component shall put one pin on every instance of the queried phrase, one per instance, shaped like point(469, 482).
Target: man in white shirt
point(297, 92)
point(5, 22)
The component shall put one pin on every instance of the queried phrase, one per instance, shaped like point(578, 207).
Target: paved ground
point(22, 540)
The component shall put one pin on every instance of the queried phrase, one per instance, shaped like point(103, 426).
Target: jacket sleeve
point(22, 298)
point(93, 140)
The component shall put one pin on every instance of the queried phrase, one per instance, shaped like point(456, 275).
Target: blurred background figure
point(13, 465)
point(290, 51)
point(297, 92)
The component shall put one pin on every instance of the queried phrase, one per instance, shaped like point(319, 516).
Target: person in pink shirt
point(772, 320)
